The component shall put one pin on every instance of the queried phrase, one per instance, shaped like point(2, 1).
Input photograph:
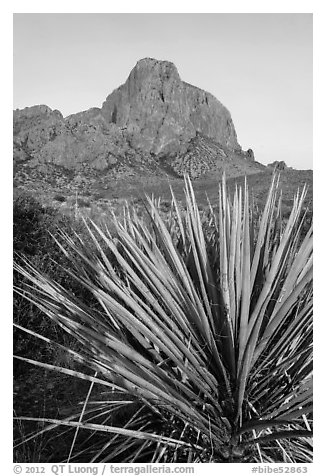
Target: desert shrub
point(208, 329)
point(30, 240)
point(34, 229)
point(30, 223)
point(82, 202)
point(59, 198)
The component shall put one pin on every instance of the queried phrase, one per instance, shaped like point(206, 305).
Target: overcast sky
point(258, 65)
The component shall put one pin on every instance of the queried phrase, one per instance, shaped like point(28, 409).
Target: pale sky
point(258, 65)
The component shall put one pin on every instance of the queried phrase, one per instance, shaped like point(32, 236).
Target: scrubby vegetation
point(193, 333)
point(34, 229)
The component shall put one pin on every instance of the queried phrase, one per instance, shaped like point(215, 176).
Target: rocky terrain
point(153, 126)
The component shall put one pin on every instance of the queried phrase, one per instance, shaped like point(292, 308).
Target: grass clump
point(204, 333)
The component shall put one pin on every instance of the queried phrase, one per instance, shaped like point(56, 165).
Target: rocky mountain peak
point(162, 113)
point(151, 66)
point(154, 119)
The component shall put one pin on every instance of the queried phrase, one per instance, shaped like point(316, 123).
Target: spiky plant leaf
point(209, 328)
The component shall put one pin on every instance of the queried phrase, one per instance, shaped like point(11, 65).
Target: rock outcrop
point(34, 128)
point(278, 165)
point(250, 154)
point(154, 118)
point(162, 113)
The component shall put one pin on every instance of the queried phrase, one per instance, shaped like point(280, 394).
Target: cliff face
point(161, 113)
point(154, 119)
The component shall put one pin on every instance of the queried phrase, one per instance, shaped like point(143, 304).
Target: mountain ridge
point(153, 123)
